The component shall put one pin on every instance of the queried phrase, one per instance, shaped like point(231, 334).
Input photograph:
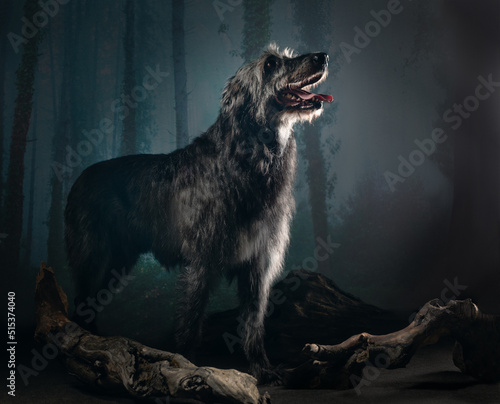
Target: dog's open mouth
point(296, 96)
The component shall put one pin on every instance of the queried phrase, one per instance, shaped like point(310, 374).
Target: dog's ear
point(274, 49)
point(226, 93)
point(233, 96)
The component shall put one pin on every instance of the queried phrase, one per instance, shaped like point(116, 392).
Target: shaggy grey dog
point(220, 206)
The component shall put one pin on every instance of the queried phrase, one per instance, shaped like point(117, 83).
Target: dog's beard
point(289, 117)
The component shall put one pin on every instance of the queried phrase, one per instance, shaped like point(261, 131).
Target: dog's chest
point(265, 232)
point(252, 241)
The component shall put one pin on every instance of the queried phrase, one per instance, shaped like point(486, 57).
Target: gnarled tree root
point(121, 365)
point(476, 352)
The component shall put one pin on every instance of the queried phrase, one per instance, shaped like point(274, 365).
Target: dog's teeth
point(292, 97)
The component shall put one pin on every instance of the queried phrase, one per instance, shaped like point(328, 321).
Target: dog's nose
point(320, 59)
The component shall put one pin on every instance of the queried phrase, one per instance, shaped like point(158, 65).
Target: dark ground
point(431, 377)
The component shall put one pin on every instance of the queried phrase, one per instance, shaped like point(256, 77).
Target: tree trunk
point(180, 74)
point(63, 125)
point(92, 116)
point(129, 137)
point(4, 18)
point(310, 18)
point(317, 190)
point(31, 203)
point(474, 237)
point(256, 28)
point(115, 147)
point(145, 120)
point(13, 219)
point(76, 33)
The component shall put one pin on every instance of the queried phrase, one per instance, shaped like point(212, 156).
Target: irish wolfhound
point(221, 205)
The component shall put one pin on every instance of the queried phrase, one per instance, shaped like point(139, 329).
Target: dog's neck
point(283, 134)
point(266, 156)
point(273, 137)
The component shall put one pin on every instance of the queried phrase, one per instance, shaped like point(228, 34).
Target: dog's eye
point(270, 65)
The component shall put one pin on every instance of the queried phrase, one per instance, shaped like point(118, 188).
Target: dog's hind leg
point(100, 269)
point(194, 286)
point(88, 273)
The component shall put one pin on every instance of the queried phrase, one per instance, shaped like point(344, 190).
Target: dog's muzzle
point(297, 96)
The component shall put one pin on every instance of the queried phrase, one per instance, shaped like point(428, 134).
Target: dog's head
point(274, 90)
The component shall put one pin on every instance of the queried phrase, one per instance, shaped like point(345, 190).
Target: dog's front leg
point(193, 286)
point(254, 286)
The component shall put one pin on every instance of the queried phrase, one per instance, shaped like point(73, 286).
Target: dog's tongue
point(304, 95)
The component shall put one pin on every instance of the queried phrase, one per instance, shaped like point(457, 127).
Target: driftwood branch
point(121, 365)
point(341, 366)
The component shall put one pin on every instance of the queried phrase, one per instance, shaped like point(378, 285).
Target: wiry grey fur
point(220, 206)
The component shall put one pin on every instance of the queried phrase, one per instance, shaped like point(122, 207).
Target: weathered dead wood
point(121, 365)
point(476, 352)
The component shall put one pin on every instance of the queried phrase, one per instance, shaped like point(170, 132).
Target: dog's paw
point(273, 376)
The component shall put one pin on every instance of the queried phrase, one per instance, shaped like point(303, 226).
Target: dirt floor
point(431, 377)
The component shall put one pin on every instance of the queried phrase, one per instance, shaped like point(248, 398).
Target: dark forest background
point(74, 94)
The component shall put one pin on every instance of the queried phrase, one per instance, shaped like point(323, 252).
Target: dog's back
point(120, 208)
